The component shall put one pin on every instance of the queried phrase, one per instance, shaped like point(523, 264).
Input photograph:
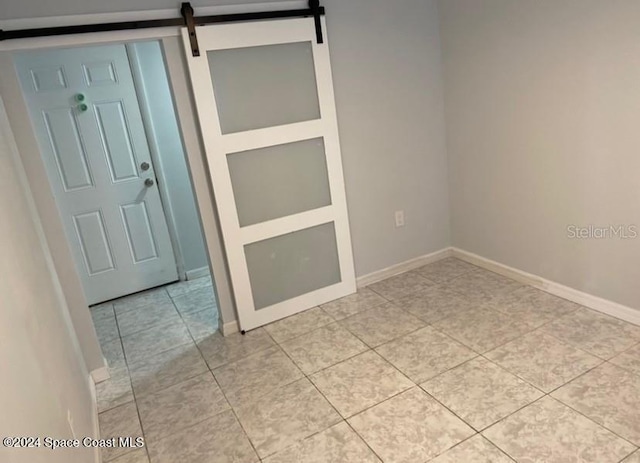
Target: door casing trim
point(187, 120)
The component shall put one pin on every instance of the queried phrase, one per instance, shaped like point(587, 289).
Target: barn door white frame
point(253, 238)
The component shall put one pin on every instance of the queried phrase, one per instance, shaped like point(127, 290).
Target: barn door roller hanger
point(187, 19)
point(191, 22)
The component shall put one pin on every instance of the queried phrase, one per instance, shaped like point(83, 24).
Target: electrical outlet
point(399, 219)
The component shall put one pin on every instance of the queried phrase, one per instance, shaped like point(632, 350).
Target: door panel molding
point(90, 225)
point(91, 146)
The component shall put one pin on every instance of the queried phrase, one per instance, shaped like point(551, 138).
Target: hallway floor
point(449, 363)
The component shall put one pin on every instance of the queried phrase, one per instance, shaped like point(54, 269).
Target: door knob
point(148, 182)
point(145, 166)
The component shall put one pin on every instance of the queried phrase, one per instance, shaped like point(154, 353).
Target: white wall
point(42, 372)
point(165, 141)
point(543, 112)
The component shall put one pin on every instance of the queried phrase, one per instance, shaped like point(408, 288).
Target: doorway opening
point(109, 138)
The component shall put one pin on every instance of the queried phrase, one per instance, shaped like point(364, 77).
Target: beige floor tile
point(142, 299)
point(181, 405)
point(137, 456)
point(322, 348)
point(102, 311)
point(629, 359)
point(445, 270)
point(201, 324)
point(482, 285)
point(250, 378)
point(196, 300)
point(532, 306)
point(474, 450)
point(401, 285)
point(142, 318)
point(161, 371)
point(633, 458)
point(142, 345)
point(363, 300)
point(610, 396)
point(297, 325)
point(425, 353)
point(114, 391)
point(217, 440)
point(99, 311)
point(107, 330)
point(481, 392)
point(292, 419)
point(184, 287)
point(550, 432)
point(434, 304)
point(595, 333)
point(104, 321)
point(219, 350)
point(410, 427)
point(121, 421)
point(360, 382)
point(482, 329)
point(285, 416)
point(381, 324)
point(113, 354)
point(338, 444)
point(543, 360)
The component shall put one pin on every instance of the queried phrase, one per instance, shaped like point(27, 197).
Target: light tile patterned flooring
point(449, 363)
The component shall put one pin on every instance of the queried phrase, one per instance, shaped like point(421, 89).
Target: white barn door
point(265, 102)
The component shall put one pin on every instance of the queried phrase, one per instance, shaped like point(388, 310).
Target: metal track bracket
point(186, 10)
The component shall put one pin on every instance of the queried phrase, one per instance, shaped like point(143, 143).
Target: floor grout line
point(371, 348)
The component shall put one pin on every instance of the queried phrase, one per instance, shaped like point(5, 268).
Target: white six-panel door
point(97, 157)
point(265, 103)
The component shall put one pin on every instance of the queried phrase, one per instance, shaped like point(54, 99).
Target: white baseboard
point(197, 273)
point(97, 458)
point(229, 328)
point(101, 374)
point(402, 267)
point(579, 297)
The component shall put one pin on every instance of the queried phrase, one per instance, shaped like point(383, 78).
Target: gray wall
point(166, 142)
point(542, 111)
point(385, 58)
point(41, 366)
point(43, 195)
point(14, 9)
point(387, 75)
point(186, 113)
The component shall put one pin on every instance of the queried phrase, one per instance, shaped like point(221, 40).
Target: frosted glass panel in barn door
point(265, 102)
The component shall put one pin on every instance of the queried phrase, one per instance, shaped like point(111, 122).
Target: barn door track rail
point(187, 19)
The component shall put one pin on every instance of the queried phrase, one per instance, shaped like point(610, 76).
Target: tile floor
point(448, 363)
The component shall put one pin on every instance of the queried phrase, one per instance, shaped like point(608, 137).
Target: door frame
point(29, 150)
point(167, 209)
